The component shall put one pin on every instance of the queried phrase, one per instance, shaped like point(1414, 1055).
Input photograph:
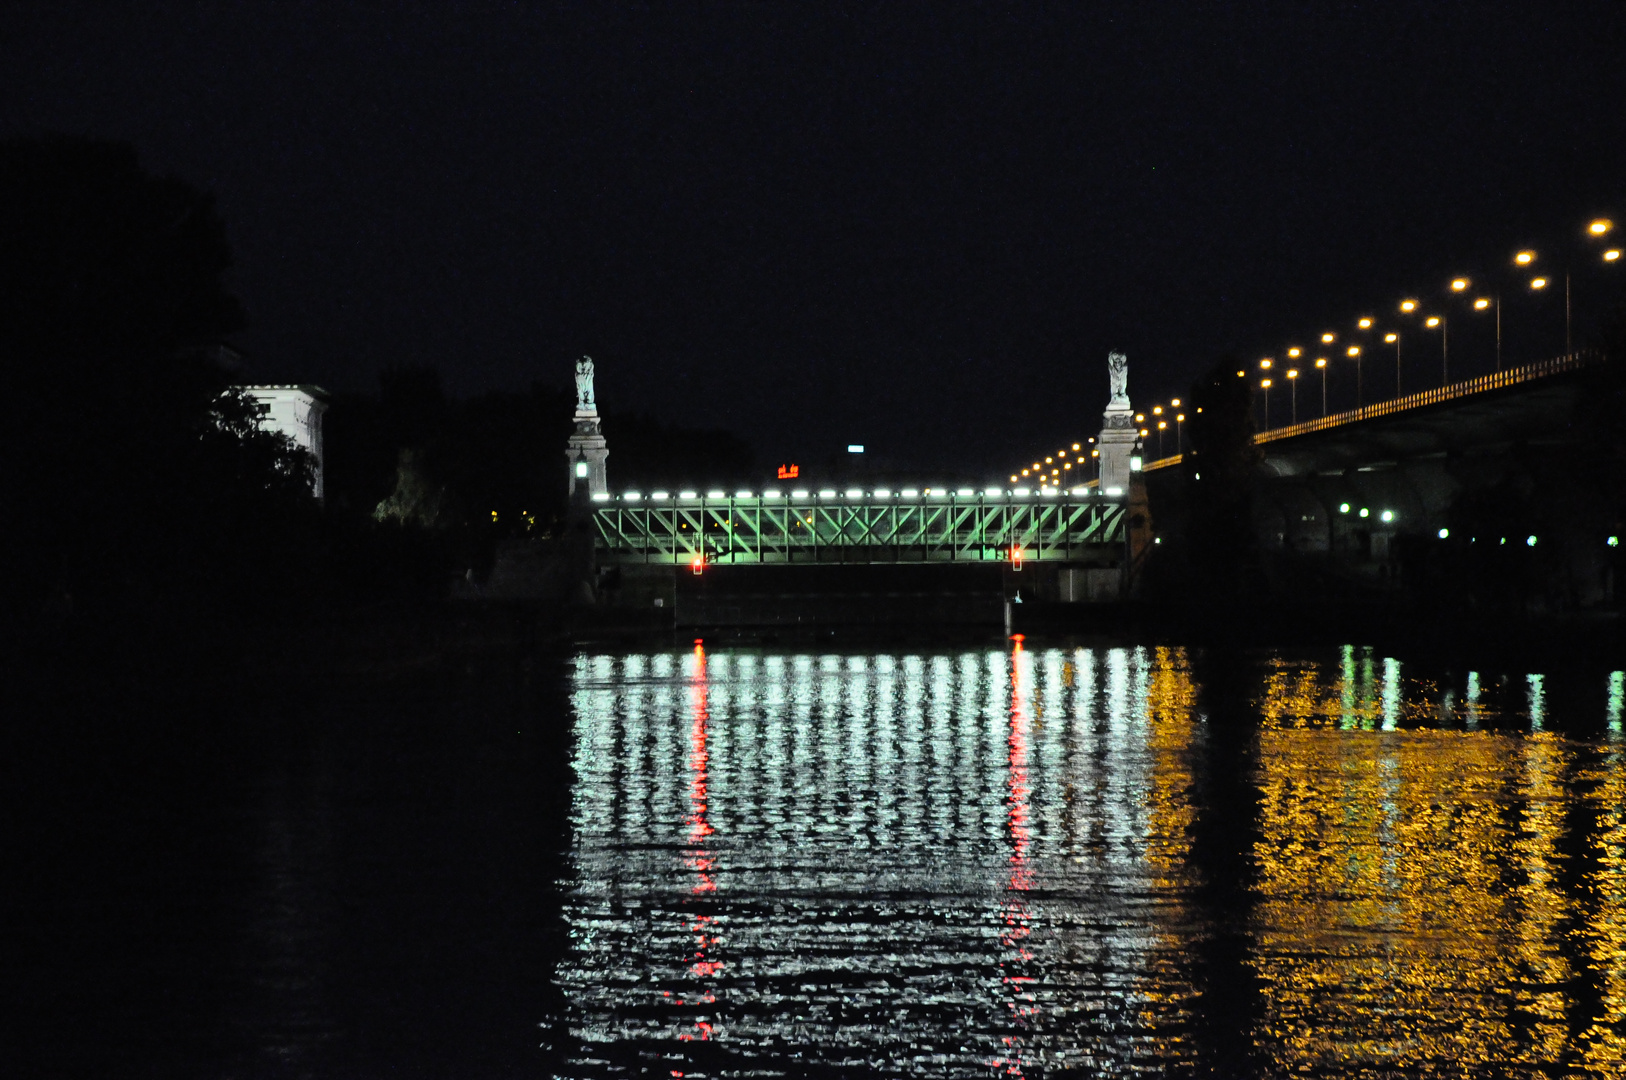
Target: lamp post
point(1321, 362)
point(1179, 433)
point(1394, 339)
point(1265, 385)
point(1354, 353)
point(1293, 384)
point(1493, 303)
point(1439, 321)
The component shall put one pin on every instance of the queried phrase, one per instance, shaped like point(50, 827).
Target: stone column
point(586, 449)
point(1119, 433)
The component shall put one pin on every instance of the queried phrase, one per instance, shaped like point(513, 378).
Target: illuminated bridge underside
point(756, 530)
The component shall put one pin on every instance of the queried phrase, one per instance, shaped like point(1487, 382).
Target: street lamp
point(1179, 436)
point(1354, 353)
point(1293, 383)
point(1321, 362)
point(1394, 339)
point(1265, 385)
point(1161, 426)
point(1439, 321)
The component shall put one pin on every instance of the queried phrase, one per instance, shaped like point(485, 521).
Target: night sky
point(921, 227)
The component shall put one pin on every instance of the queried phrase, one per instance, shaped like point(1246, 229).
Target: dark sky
point(919, 226)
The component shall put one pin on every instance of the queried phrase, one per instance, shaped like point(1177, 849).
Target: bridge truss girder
point(758, 529)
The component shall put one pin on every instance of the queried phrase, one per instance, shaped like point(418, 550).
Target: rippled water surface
point(1101, 861)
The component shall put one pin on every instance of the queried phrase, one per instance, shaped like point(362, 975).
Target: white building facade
point(295, 411)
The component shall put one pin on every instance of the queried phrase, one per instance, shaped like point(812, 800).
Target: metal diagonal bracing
point(867, 528)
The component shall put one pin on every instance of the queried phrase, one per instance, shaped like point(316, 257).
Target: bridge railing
point(756, 529)
point(1541, 369)
point(1511, 377)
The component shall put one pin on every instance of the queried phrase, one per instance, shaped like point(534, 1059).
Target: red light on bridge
point(698, 564)
point(789, 472)
point(1016, 557)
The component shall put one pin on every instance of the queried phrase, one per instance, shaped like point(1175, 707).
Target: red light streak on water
point(698, 858)
point(1018, 791)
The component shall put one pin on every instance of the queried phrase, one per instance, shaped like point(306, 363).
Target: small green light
point(1444, 533)
point(1365, 511)
point(1614, 541)
point(1343, 508)
point(1530, 541)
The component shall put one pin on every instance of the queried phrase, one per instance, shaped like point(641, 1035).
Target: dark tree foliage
point(129, 480)
point(1218, 476)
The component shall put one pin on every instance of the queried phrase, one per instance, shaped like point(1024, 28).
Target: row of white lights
point(858, 493)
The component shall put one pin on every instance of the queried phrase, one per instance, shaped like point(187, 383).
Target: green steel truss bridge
point(879, 526)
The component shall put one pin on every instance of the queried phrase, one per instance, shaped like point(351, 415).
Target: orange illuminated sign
point(789, 472)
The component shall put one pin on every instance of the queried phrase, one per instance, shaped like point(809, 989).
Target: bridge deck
point(860, 527)
point(1541, 369)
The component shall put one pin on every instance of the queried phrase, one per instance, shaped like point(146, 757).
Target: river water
point(1010, 859)
point(1039, 861)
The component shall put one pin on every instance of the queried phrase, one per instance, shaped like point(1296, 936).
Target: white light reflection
point(1616, 702)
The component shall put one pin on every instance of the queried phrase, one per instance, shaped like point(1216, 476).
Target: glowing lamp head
point(1157, 410)
point(1525, 258)
point(1365, 324)
point(1408, 305)
point(1326, 339)
point(1611, 255)
point(1292, 373)
point(1321, 362)
point(1459, 284)
point(1599, 227)
point(1538, 283)
point(1265, 383)
point(1162, 425)
point(1481, 304)
point(1174, 402)
point(1294, 352)
point(1264, 365)
point(1433, 321)
point(1353, 350)
point(1391, 338)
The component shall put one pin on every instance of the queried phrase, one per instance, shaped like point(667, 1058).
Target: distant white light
point(1445, 533)
point(1365, 511)
point(687, 495)
point(1343, 508)
point(855, 448)
point(827, 493)
point(965, 493)
point(1388, 515)
point(601, 496)
point(855, 493)
point(581, 468)
point(909, 493)
point(1530, 541)
point(799, 493)
point(1115, 491)
point(716, 495)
